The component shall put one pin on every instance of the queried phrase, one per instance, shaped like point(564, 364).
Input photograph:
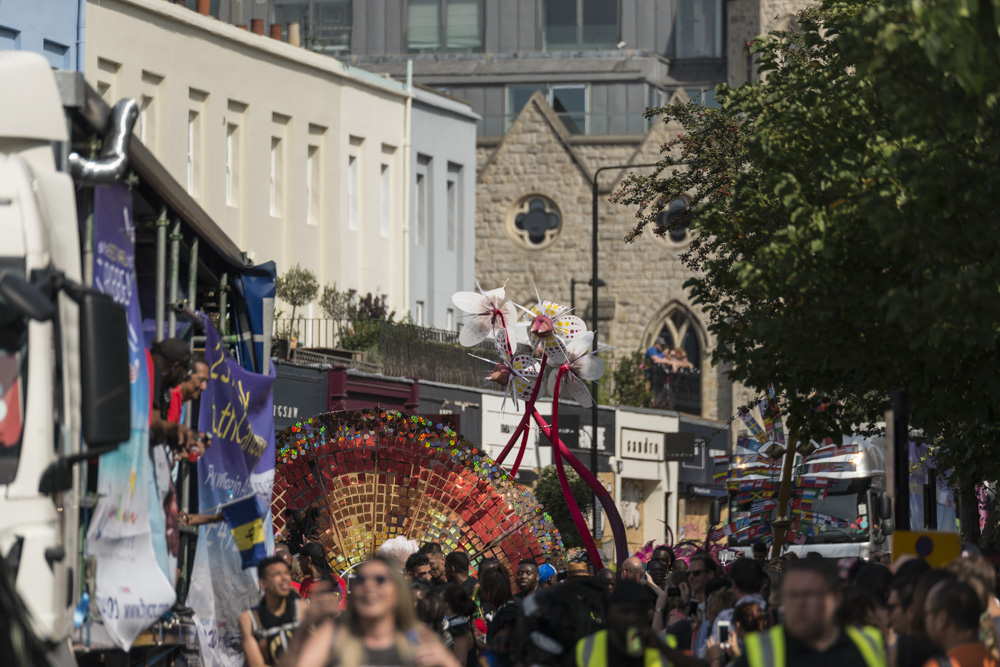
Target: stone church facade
point(539, 165)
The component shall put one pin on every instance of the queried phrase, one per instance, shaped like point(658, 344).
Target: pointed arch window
point(680, 330)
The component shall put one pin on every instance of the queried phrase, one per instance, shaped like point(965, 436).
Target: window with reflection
point(698, 29)
point(579, 25)
point(454, 26)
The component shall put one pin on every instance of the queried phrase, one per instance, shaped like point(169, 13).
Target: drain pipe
point(408, 171)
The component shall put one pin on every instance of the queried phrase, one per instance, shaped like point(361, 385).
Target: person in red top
point(189, 389)
point(951, 616)
point(316, 569)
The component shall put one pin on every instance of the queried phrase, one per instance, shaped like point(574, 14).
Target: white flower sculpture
point(550, 327)
point(517, 375)
point(557, 339)
point(581, 365)
point(490, 312)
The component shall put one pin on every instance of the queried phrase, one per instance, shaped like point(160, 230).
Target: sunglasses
point(379, 579)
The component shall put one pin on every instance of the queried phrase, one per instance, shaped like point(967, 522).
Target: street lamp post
point(594, 284)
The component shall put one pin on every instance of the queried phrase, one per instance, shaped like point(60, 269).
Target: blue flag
point(246, 521)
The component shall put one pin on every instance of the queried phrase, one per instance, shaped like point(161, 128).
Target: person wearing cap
point(628, 640)
point(546, 575)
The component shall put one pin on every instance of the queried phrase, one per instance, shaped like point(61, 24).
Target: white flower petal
point(579, 346)
point(521, 333)
point(577, 390)
point(475, 332)
point(525, 364)
point(496, 296)
point(555, 350)
point(470, 302)
point(523, 386)
point(500, 342)
point(569, 326)
point(588, 368)
point(551, 384)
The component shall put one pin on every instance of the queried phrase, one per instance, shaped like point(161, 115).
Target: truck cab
point(838, 508)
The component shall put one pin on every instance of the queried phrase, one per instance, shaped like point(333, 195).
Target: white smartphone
point(724, 632)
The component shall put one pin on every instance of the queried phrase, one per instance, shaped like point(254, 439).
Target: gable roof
point(537, 102)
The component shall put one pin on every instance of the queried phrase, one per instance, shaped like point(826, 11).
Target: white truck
point(851, 515)
point(64, 372)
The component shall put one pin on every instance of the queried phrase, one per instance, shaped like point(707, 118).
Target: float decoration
point(558, 340)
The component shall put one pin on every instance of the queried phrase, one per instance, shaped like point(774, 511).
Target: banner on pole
point(237, 410)
point(131, 589)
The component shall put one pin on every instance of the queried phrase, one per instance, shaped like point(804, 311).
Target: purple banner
point(132, 590)
point(237, 410)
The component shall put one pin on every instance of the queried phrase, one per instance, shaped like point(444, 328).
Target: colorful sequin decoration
point(375, 475)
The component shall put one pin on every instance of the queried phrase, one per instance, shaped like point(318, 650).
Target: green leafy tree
point(298, 287)
point(845, 212)
point(336, 304)
point(629, 383)
point(550, 495)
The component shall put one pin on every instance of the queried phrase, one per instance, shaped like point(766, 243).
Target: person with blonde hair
point(380, 627)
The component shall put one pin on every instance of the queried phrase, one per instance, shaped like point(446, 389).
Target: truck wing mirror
point(104, 369)
point(25, 298)
point(884, 506)
point(886, 527)
point(715, 512)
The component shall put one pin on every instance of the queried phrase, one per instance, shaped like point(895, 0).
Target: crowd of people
point(432, 609)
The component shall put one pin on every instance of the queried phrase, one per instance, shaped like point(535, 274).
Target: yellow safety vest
point(592, 651)
point(767, 649)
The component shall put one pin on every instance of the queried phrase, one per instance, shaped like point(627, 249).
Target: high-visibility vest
point(592, 651)
point(767, 649)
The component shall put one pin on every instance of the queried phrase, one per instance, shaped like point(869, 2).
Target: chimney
point(257, 26)
point(294, 35)
point(276, 31)
point(204, 7)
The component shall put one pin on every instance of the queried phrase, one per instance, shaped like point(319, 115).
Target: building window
point(232, 164)
point(445, 25)
point(386, 206)
point(568, 101)
point(676, 235)
point(418, 317)
point(145, 118)
point(193, 147)
point(684, 389)
point(353, 194)
point(313, 190)
point(420, 208)
point(449, 319)
point(580, 25)
point(452, 212)
point(698, 29)
point(535, 221)
point(276, 183)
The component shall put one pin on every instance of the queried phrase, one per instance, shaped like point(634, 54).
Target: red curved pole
point(574, 509)
point(520, 452)
point(607, 502)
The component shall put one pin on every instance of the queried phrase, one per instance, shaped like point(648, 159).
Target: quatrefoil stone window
point(535, 220)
